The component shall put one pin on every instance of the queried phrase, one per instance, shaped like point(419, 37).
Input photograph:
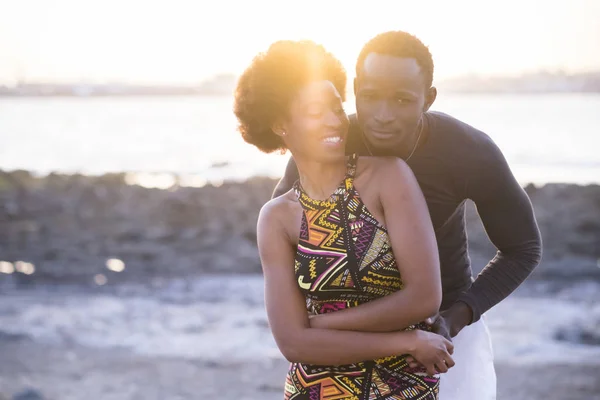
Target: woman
point(352, 232)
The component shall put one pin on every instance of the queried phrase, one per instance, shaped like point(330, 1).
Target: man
point(452, 162)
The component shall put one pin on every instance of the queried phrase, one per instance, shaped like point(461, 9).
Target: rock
point(161, 234)
point(585, 331)
point(269, 387)
point(587, 334)
point(12, 337)
point(129, 234)
point(28, 394)
point(190, 233)
point(51, 254)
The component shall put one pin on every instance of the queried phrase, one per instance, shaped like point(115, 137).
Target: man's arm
point(288, 179)
point(508, 218)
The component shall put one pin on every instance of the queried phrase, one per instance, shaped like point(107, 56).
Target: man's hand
point(457, 317)
point(439, 325)
point(450, 322)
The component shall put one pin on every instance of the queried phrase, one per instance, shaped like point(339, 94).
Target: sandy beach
point(209, 339)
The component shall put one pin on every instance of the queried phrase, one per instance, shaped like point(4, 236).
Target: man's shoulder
point(459, 136)
point(472, 157)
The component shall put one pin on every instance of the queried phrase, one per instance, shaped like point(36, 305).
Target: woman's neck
point(320, 180)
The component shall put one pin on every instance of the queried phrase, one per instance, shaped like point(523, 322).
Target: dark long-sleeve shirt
point(454, 163)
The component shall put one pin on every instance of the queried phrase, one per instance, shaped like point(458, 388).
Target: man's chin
point(381, 145)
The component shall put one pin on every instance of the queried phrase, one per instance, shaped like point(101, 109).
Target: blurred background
point(128, 201)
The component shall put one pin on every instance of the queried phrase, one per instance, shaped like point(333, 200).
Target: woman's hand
point(432, 351)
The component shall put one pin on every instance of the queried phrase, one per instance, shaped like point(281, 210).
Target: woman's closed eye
point(319, 111)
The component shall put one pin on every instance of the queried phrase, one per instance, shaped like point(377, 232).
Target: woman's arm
point(288, 318)
point(415, 249)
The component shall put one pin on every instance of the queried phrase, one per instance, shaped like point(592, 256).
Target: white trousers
point(473, 377)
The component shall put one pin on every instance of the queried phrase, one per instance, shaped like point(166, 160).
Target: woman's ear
point(278, 128)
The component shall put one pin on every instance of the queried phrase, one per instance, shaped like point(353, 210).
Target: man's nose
point(384, 113)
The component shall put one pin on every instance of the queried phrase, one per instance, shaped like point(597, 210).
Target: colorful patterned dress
point(345, 259)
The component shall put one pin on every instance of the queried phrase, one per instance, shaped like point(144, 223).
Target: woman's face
point(316, 125)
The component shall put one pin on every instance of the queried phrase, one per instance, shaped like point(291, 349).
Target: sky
point(177, 41)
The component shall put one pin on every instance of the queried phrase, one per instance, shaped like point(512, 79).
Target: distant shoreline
point(208, 94)
point(542, 82)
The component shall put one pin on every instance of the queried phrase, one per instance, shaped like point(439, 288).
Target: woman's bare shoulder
point(280, 213)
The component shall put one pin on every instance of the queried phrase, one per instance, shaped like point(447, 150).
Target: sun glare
point(188, 41)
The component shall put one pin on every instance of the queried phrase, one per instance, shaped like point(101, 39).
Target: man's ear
point(430, 98)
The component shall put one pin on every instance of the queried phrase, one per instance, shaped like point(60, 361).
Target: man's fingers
point(450, 362)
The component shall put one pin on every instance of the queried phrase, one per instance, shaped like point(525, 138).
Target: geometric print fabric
point(344, 259)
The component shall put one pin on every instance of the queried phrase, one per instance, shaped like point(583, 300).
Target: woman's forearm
point(335, 347)
point(387, 314)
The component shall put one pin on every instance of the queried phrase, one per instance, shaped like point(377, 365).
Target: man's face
point(391, 96)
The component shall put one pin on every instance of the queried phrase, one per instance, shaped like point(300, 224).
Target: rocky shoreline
point(68, 226)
